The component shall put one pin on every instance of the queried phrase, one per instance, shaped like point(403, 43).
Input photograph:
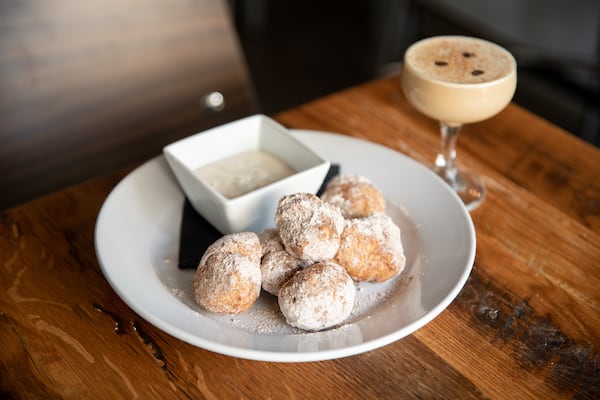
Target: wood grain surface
point(91, 86)
point(526, 325)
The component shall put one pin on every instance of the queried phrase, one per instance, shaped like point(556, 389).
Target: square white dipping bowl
point(255, 210)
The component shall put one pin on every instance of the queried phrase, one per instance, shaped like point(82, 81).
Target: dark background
point(300, 50)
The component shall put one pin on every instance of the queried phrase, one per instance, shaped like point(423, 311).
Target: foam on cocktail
point(460, 60)
point(458, 79)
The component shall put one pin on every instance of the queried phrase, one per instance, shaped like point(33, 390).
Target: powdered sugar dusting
point(309, 228)
point(269, 241)
point(278, 267)
point(371, 248)
point(228, 278)
point(246, 244)
point(317, 297)
point(355, 196)
point(227, 283)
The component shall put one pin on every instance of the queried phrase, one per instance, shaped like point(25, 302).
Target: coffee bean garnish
point(477, 72)
point(468, 54)
point(441, 63)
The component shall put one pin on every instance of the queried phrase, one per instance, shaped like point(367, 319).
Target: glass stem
point(445, 162)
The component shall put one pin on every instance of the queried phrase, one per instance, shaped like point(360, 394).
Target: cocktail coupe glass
point(458, 80)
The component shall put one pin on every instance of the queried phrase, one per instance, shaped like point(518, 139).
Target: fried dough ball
point(246, 244)
point(309, 228)
point(228, 278)
point(277, 268)
point(355, 195)
point(371, 248)
point(277, 265)
point(269, 241)
point(318, 297)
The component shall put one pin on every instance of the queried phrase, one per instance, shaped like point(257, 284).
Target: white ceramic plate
point(137, 236)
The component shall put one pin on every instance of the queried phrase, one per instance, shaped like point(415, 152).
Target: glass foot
point(468, 187)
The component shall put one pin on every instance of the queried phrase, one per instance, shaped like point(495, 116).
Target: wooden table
point(526, 325)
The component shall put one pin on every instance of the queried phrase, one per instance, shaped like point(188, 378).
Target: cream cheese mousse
point(458, 80)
